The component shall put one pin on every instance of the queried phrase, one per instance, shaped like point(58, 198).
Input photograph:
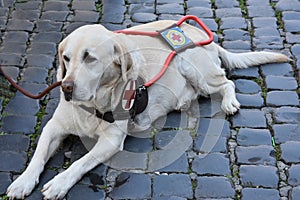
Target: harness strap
point(122, 112)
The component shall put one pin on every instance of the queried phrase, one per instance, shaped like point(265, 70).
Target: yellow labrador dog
point(95, 67)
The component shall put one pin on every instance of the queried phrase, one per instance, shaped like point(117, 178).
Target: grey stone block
point(294, 193)
point(55, 15)
point(141, 8)
point(180, 165)
point(198, 3)
point(236, 34)
point(31, 15)
point(40, 60)
point(56, 5)
point(169, 1)
point(287, 115)
point(292, 25)
point(250, 100)
point(35, 75)
point(249, 118)
point(47, 25)
point(268, 42)
point(260, 193)
point(26, 124)
point(290, 15)
point(286, 132)
point(16, 36)
point(214, 188)
point(13, 47)
point(226, 3)
point(251, 72)
point(210, 144)
point(246, 86)
point(14, 142)
point(281, 83)
point(11, 59)
point(262, 22)
point(294, 175)
point(215, 127)
point(20, 25)
point(12, 161)
point(262, 154)
point(85, 16)
point(291, 5)
point(266, 31)
point(175, 17)
point(228, 12)
point(138, 145)
point(201, 12)
point(46, 48)
point(296, 50)
point(178, 185)
point(113, 13)
point(233, 23)
point(4, 182)
point(260, 11)
point(238, 44)
point(211, 164)
point(29, 5)
point(144, 17)
point(282, 98)
point(84, 5)
point(257, 2)
point(289, 152)
point(52, 37)
point(277, 69)
point(254, 137)
point(170, 8)
point(259, 175)
point(86, 192)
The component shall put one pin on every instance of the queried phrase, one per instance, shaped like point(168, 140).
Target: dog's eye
point(88, 58)
point(66, 58)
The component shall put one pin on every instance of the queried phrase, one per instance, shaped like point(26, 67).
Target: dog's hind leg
point(110, 142)
point(49, 140)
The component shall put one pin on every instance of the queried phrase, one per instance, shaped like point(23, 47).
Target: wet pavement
point(251, 155)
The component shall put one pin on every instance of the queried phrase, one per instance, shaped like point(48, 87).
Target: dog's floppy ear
point(61, 71)
point(128, 61)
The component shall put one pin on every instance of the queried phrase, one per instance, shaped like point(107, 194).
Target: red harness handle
point(173, 53)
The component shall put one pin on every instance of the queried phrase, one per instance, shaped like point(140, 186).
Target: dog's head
point(92, 57)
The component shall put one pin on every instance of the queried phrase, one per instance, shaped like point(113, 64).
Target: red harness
point(174, 52)
point(136, 102)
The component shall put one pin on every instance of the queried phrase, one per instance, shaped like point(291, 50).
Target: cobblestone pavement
point(256, 155)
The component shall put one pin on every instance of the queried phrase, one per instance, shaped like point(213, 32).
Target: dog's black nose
point(67, 87)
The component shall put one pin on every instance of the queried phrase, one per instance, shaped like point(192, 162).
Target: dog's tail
point(244, 60)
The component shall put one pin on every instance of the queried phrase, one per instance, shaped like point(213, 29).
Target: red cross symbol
point(176, 37)
point(129, 95)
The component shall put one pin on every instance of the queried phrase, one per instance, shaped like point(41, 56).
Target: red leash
point(32, 96)
point(131, 32)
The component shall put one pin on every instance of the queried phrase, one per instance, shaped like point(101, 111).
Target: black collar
point(139, 105)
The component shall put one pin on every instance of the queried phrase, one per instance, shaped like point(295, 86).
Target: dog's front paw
point(57, 188)
point(230, 105)
point(21, 187)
